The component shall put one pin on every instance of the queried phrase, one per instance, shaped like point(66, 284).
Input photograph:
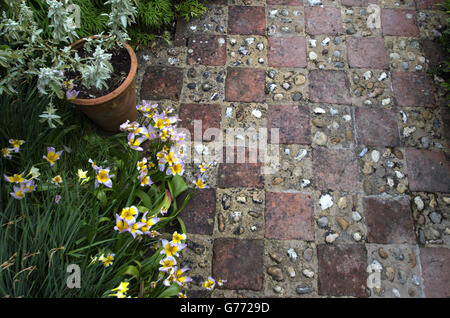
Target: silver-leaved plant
point(27, 54)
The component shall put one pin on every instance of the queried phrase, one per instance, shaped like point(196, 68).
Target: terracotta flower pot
point(115, 108)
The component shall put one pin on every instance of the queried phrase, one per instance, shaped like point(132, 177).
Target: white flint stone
point(326, 201)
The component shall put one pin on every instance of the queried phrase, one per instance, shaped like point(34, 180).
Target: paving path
point(361, 183)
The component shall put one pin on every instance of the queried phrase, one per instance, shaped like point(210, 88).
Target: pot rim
point(125, 84)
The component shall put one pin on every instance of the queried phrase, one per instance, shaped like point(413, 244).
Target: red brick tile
point(209, 115)
point(329, 87)
point(412, 89)
point(287, 51)
point(342, 270)
point(436, 271)
point(162, 83)
point(246, 20)
point(236, 172)
point(293, 124)
point(367, 53)
point(326, 20)
point(207, 50)
point(285, 2)
point(428, 4)
point(357, 3)
point(376, 127)
point(336, 169)
point(197, 212)
point(399, 22)
point(289, 216)
point(428, 171)
point(389, 220)
point(240, 262)
point(245, 84)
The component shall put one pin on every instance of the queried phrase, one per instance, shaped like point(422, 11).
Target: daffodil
point(199, 183)
point(135, 228)
point(123, 287)
point(145, 180)
point(103, 177)
point(142, 165)
point(16, 178)
point(57, 180)
point(52, 155)
point(34, 173)
point(6, 153)
point(163, 210)
point(135, 141)
point(171, 249)
point(209, 284)
point(82, 176)
point(167, 264)
point(107, 260)
point(181, 295)
point(164, 134)
point(121, 225)
point(28, 186)
point(18, 193)
point(179, 278)
point(148, 223)
point(176, 169)
point(220, 282)
point(16, 143)
point(129, 214)
point(119, 295)
point(170, 158)
point(93, 164)
point(178, 238)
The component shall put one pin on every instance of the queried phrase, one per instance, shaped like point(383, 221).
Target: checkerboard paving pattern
point(361, 180)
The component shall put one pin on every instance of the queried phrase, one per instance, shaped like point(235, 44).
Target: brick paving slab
point(246, 20)
point(360, 173)
point(336, 170)
point(399, 22)
point(245, 85)
point(435, 271)
point(428, 171)
point(289, 216)
point(342, 270)
point(234, 257)
point(208, 115)
point(367, 53)
point(207, 50)
point(326, 20)
point(155, 86)
point(389, 221)
point(329, 87)
point(292, 122)
point(413, 89)
point(199, 213)
point(376, 127)
point(287, 51)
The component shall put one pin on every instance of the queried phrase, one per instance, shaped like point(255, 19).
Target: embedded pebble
point(331, 237)
point(293, 256)
point(419, 203)
point(356, 216)
point(326, 201)
point(302, 290)
point(323, 222)
point(375, 155)
point(275, 272)
point(357, 236)
point(308, 273)
point(320, 138)
point(257, 113)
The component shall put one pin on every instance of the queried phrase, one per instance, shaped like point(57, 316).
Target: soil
point(121, 62)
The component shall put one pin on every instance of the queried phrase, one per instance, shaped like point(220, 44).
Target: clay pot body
point(111, 110)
